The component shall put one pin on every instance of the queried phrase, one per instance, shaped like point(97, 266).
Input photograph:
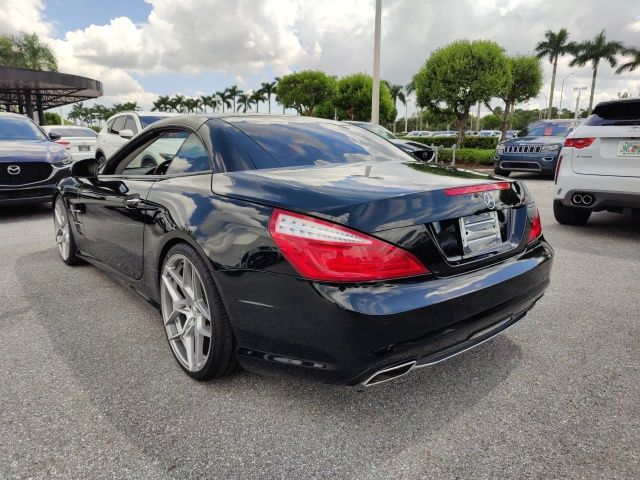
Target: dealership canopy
point(36, 90)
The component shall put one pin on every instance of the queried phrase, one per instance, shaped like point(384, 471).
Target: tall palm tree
point(409, 88)
point(233, 91)
point(225, 99)
point(34, 53)
point(594, 51)
point(631, 65)
point(245, 101)
point(257, 97)
point(554, 46)
point(396, 91)
point(177, 102)
point(205, 101)
point(269, 88)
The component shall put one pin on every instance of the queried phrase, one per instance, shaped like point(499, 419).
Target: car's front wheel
point(64, 235)
point(195, 320)
point(570, 215)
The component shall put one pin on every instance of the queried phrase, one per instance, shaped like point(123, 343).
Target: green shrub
point(467, 142)
point(472, 156)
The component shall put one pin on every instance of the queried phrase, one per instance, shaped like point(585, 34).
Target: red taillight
point(485, 187)
point(536, 227)
point(325, 251)
point(579, 142)
point(65, 143)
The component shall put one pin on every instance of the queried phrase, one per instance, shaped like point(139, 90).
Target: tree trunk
point(593, 87)
point(406, 120)
point(553, 85)
point(505, 121)
point(462, 122)
point(269, 100)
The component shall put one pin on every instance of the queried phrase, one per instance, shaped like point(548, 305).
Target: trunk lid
point(614, 152)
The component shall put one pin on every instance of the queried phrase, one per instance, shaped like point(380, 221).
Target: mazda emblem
point(13, 169)
point(489, 200)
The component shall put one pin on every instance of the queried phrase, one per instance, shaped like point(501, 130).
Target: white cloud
point(245, 38)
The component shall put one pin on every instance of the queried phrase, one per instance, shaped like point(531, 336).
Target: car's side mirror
point(126, 133)
point(54, 137)
point(87, 168)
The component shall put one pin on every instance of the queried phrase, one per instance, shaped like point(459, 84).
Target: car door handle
point(132, 202)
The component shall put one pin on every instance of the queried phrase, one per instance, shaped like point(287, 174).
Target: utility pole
point(579, 90)
point(478, 119)
point(375, 94)
point(562, 92)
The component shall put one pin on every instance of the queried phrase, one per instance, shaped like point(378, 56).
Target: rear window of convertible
point(311, 142)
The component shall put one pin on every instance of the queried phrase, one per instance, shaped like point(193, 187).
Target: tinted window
point(73, 132)
point(160, 150)
point(314, 142)
point(192, 157)
point(622, 113)
point(130, 124)
point(19, 128)
point(547, 129)
point(378, 130)
point(146, 120)
point(118, 124)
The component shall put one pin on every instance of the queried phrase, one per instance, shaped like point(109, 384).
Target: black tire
point(570, 215)
point(502, 173)
point(72, 257)
point(222, 359)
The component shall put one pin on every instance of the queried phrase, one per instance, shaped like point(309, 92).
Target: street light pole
point(579, 89)
point(375, 94)
point(562, 92)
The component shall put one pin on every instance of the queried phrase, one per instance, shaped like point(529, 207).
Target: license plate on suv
point(480, 233)
point(628, 148)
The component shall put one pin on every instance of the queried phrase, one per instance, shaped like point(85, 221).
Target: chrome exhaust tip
point(389, 373)
point(577, 199)
point(587, 199)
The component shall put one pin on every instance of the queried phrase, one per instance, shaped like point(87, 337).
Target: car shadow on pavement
point(24, 212)
point(112, 345)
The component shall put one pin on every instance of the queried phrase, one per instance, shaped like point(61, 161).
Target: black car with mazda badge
point(305, 246)
point(31, 163)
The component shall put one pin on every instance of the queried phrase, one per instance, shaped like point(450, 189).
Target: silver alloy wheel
point(186, 313)
point(61, 224)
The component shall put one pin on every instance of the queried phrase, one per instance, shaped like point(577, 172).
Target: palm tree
point(396, 91)
point(225, 99)
point(409, 88)
point(631, 65)
point(555, 45)
point(161, 104)
point(595, 51)
point(76, 112)
point(31, 52)
point(233, 91)
point(245, 101)
point(257, 97)
point(269, 88)
point(177, 102)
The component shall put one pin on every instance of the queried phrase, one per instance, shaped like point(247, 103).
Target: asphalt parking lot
point(89, 388)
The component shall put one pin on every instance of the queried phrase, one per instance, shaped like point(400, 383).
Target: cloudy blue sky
point(141, 49)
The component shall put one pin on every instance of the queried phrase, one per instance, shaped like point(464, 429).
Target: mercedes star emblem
point(489, 200)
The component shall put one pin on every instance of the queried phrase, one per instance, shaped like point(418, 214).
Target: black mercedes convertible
point(304, 246)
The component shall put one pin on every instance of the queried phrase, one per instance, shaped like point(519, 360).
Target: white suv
point(120, 128)
point(599, 166)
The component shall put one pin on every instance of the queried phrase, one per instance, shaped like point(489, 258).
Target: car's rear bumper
point(608, 192)
point(346, 333)
point(523, 163)
point(39, 192)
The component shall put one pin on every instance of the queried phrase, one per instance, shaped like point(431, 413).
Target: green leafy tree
point(51, 118)
point(225, 99)
point(526, 82)
point(269, 88)
point(305, 90)
point(27, 51)
point(594, 51)
point(460, 75)
point(397, 94)
point(353, 98)
point(555, 45)
point(631, 65)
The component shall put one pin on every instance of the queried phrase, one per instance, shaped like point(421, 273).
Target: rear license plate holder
point(480, 233)
point(628, 148)
point(84, 148)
